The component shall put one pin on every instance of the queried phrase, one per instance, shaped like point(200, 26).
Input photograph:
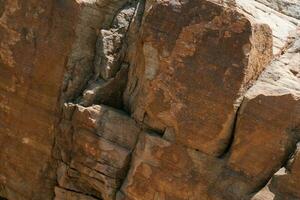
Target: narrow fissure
point(232, 135)
point(82, 193)
point(95, 78)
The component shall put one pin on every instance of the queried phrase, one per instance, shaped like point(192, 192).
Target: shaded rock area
point(149, 100)
point(34, 45)
point(94, 146)
point(94, 142)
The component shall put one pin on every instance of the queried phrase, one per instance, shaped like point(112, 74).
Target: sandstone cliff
point(150, 99)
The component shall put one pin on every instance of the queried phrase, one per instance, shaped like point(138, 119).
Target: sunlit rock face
point(195, 62)
point(149, 99)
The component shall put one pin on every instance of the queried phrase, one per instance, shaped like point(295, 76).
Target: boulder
point(194, 62)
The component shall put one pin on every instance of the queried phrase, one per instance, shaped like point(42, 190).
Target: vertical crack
point(232, 134)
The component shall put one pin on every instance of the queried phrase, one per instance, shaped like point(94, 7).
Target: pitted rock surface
point(149, 99)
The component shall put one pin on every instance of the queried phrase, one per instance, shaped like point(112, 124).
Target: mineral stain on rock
point(149, 99)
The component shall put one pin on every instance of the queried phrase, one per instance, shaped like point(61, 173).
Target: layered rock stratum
point(150, 99)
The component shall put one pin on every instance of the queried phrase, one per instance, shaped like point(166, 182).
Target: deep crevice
point(82, 193)
point(227, 150)
point(91, 76)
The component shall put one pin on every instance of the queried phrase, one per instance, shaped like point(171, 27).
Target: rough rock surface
point(280, 23)
point(162, 170)
point(149, 99)
point(196, 60)
point(34, 45)
point(95, 146)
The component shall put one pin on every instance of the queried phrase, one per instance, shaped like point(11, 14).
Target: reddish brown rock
point(190, 64)
point(95, 144)
point(39, 40)
point(263, 137)
point(34, 45)
point(193, 64)
point(162, 170)
point(267, 128)
point(284, 183)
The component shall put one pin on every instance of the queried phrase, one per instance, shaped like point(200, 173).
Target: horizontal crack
point(79, 192)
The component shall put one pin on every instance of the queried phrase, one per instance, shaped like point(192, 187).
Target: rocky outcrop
point(265, 136)
point(95, 144)
point(34, 45)
point(270, 112)
point(280, 84)
point(196, 60)
point(162, 170)
point(149, 99)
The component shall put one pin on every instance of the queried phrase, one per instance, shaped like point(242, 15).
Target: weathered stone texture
point(280, 84)
point(281, 24)
point(162, 170)
point(195, 60)
point(35, 40)
point(149, 99)
point(95, 145)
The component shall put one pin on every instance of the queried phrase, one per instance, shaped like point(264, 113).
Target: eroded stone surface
point(162, 170)
point(194, 63)
point(95, 15)
point(281, 24)
point(95, 145)
point(190, 64)
point(268, 125)
point(34, 44)
point(286, 184)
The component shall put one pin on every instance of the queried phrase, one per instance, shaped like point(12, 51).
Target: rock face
point(34, 45)
point(162, 170)
point(95, 146)
point(149, 99)
point(196, 60)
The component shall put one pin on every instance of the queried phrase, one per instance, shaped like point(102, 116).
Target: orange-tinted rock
point(284, 184)
point(39, 40)
point(35, 42)
point(287, 184)
point(193, 64)
point(95, 144)
point(162, 170)
point(262, 140)
point(190, 64)
point(267, 128)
